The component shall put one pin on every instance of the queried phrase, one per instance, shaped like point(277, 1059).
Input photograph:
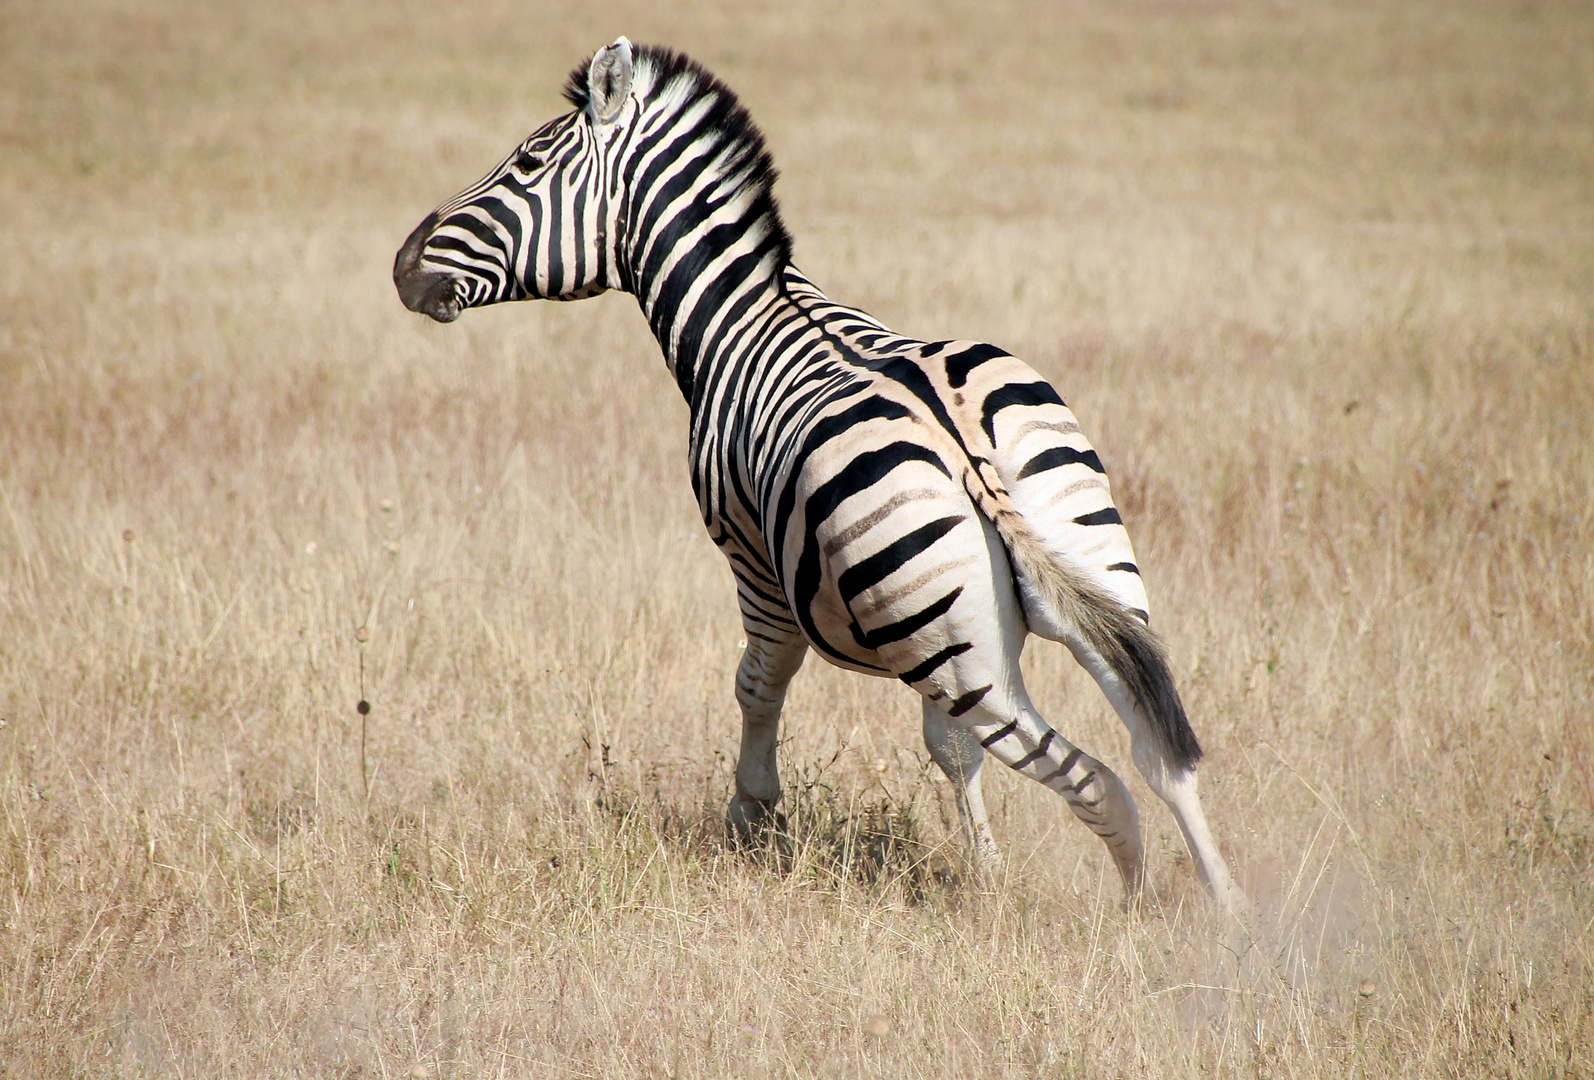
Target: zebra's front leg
point(767, 667)
point(959, 756)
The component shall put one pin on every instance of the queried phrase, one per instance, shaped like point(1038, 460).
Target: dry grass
point(1316, 277)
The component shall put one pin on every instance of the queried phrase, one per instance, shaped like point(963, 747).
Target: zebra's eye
point(525, 161)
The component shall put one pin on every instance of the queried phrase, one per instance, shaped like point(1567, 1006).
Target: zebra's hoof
point(755, 823)
point(985, 860)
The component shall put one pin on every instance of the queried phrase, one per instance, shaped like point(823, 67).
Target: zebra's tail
point(1117, 635)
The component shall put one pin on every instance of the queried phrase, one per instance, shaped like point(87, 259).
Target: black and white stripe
point(904, 508)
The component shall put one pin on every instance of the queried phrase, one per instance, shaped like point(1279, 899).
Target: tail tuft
point(1118, 636)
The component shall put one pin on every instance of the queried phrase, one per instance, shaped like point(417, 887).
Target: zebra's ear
point(609, 80)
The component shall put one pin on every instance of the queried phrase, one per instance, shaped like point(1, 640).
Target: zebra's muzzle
point(430, 292)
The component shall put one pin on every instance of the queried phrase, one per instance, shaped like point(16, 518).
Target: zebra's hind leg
point(1025, 743)
point(1173, 784)
point(767, 666)
point(959, 756)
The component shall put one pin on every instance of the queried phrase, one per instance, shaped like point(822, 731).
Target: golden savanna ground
point(1317, 278)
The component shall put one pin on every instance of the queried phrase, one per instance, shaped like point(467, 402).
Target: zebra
point(903, 508)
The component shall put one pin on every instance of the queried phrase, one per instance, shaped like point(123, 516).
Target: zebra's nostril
point(410, 254)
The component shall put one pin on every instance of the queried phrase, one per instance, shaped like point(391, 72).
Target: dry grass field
point(1317, 278)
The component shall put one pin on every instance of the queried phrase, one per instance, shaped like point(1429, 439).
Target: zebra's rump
point(1012, 417)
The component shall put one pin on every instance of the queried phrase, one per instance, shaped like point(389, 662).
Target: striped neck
point(719, 277)
point(700, 239)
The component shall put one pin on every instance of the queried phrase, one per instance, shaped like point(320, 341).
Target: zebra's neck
point(720, 271)
point(701, 241)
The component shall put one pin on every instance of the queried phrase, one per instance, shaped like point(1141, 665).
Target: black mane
point(727, 116)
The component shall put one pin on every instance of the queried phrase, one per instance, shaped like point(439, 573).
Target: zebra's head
point(544, 223)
